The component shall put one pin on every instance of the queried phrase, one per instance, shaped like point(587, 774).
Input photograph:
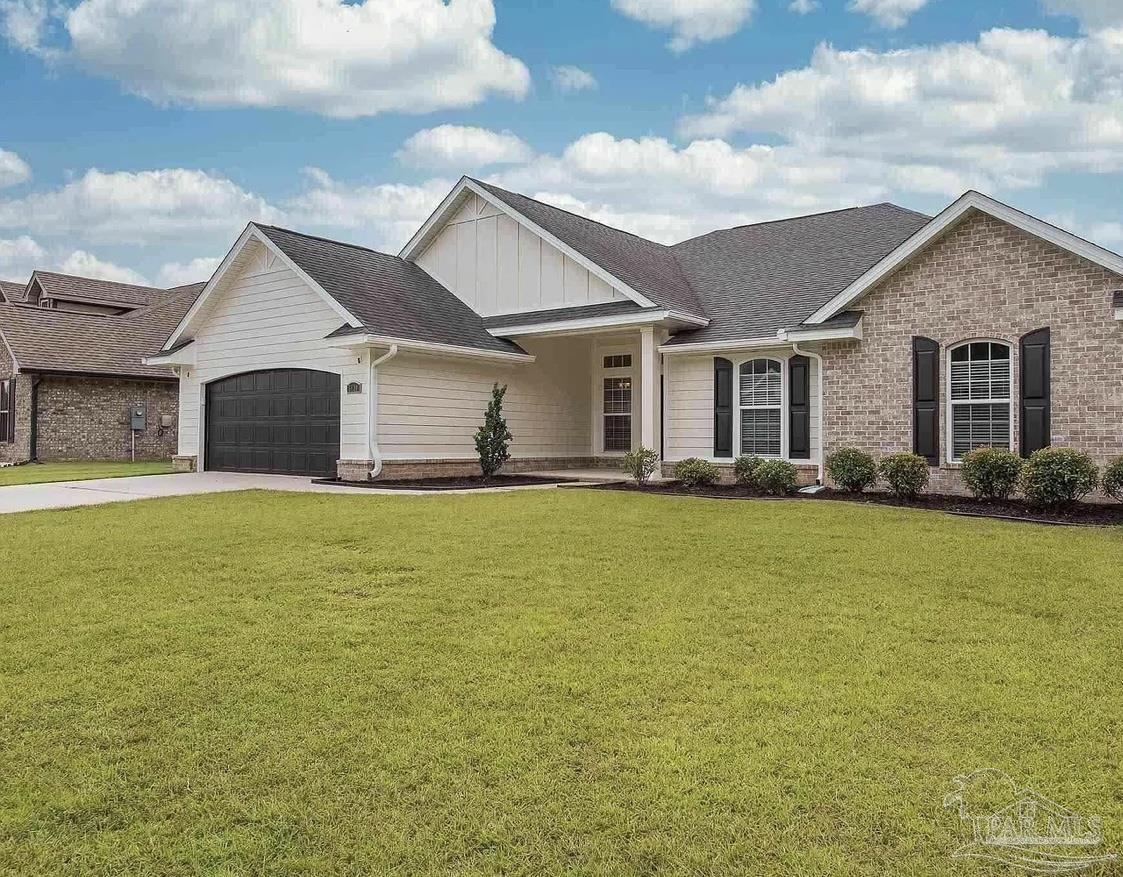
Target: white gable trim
point(949, 217)
point(420, 240)
point(253, 233)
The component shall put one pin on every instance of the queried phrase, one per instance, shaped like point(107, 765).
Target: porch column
point(649, 389)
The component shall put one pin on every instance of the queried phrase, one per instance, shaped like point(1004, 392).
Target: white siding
point(430, 408)
point(267, 317)
point(689, 389)
point(496, 266)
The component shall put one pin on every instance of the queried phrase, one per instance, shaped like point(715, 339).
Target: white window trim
point(599, 374)
point(737, 363)
point(949, 409)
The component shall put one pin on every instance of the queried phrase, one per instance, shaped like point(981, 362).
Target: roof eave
point(668, 318)
point(370, 339)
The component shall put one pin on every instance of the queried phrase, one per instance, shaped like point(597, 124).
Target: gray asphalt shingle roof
point(10, 291)
point(557, 315)
point(56, 285)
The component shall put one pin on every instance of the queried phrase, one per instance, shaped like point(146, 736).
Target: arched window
point(760, 400)
point(979, 397)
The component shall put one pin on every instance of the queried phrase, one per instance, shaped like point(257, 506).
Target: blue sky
point(132, 146)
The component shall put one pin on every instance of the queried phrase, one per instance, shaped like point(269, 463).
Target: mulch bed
point(1081, 514)
point(471, 482)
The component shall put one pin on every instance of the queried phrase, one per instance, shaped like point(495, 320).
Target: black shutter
point(799, 408)
point(1036, 430)
point(723, 407)
point(926, 399)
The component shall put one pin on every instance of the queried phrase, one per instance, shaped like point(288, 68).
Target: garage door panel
point(283, 421)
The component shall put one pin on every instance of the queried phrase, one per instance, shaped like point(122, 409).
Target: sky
point(138, 137)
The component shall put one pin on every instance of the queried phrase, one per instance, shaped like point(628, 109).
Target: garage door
point(283, 421)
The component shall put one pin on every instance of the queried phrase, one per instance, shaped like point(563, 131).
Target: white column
point(649, 389)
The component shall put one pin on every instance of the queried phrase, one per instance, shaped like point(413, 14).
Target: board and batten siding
point(496, 266)
point(430, 408)
point(689, 401)
point(267, 317)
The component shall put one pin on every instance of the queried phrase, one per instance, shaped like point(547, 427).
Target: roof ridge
point(38, 271)
point(325, 240)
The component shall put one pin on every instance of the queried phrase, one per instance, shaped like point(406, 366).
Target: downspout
point(372, 409)
point(819, 417)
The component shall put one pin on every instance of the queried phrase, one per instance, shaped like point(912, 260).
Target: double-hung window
point(760, 397)
point(7, 410)
point(980, 397)
point(617, 403)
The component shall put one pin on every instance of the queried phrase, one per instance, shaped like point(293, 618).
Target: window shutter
point(723, 407)
point(926, 399)
point(799, 408)
point(1036, 432)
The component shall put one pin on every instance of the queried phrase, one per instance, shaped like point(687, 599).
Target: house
point(71, 370)
point(875, 327)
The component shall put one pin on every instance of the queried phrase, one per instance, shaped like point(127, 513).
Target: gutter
point(372, 410)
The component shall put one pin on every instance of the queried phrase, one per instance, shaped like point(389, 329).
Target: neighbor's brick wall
point(986, 279)
point(17, 451)
point(87, 419)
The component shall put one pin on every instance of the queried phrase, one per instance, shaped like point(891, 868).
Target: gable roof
point(78, 343)
point(755, 280)
point(10, 291)
point(67, 286)
point(390, 296)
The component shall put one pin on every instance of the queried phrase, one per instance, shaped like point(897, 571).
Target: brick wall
point(87, 418)
point(18, 450)
point(985, 279)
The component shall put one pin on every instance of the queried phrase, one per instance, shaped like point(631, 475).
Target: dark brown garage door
point(284, 422)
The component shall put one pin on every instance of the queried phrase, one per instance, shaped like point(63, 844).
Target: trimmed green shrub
point(1056, 477)
point(775, 476)
point(641, 464)
point(1113, 479)
point(744, 467)
point(693, 472)
point(906, 474)
point(852, 469)
point(991, 473)
point(493, 438)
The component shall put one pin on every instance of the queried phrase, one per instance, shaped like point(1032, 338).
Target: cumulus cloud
point(336, 58)
point(568, 79)
point(13, 169)
point(458, 146)
point(192, 271)
point(890, 14)
point(19, 257)
point(1093, 14)
point(84, 264)
point(690, 21)
point(804, 7)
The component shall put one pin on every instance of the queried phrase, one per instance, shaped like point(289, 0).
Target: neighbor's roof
point(63, 341)
point(10, 291)
point(645, 266)
point(757, 279)
point(67, 286)
point(387, 294)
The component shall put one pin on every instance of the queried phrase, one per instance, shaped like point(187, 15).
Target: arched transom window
point(760, 398)
point(979, 397)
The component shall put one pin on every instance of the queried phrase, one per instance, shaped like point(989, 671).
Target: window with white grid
point(980, 397)
point(618, 414)
point(760, 394)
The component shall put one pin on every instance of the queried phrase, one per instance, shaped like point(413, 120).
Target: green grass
point(41, 473)
point(540, 683)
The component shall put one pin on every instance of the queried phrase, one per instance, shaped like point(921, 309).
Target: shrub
point(852, 469)
point(1056, 477)
point(775, 476)
point(1113, 479)
point(693, 472)
point(906, 474)
point(744, 467)
point(641, 464)
point(991, 473)
point(493, 438)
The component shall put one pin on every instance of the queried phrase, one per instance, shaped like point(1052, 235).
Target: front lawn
point(541, 682)
point(41, 473)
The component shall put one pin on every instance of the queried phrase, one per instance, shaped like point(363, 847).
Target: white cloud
point(804, 7)
point(1002, 112)
point(19, 257)
point(335, 58)
point(83, 264)
point(181, 273)
point(690, 21)
point(568, 79)
point(888, 13)
point(13, 169)
point(458, 146)
point(1093, 14)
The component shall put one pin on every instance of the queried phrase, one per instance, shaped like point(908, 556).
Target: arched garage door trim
point(277, 421)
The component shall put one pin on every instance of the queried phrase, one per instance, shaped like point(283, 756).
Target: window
point(617, 414)
point(620, 360)
point(979, 397)
point(760, 397)
point(7, 410)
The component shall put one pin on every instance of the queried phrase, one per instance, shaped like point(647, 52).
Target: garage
point(279, 421)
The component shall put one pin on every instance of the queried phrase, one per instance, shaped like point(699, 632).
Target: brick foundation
point(398, 469)
point(185, 463)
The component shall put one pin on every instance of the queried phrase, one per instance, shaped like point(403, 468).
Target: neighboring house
point(875, 327)
point(72, 378)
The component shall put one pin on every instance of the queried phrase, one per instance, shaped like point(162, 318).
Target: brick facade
point(985, 279)
point(16, 451)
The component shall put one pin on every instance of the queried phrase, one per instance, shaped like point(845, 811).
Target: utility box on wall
point(139, 414)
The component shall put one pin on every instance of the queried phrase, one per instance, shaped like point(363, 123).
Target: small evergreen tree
point(493, 438)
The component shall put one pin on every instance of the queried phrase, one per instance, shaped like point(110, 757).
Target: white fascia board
point(252, 232)
point(834, 333)
point(184, 356)
point(416, 243)
point(736, 344)
point(364, 339)
point(594, 323)
point(948, 218)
